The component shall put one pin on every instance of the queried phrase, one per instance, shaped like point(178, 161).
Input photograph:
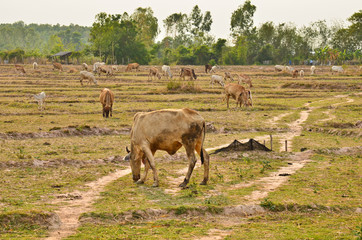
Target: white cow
point(301, 73)
point(279, 68)
point(217, 79)
point(289, 69)
point(115, 68)
point(213, 69)
point(40, 98)
point(97, 65)
point(312, 70)
point(85, 66)
point(35, 65)
point(89, 76)
point(337, 69)
point(166, 70)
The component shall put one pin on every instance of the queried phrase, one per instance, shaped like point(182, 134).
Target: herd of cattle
point(168, 129)
point(241, 94)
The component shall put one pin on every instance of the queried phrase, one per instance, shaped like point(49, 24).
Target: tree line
point(123, 38)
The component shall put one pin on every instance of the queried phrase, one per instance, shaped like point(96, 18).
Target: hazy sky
point(81, 12)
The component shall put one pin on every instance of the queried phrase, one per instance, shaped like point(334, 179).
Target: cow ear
point(128, 151)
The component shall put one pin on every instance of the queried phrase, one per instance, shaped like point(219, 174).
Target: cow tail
point(250, 97)
point(108, 99)
point(202, 145)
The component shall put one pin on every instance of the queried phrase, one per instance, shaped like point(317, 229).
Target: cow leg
point(152, 164)
point(147, 167)
point(227, 100)
point(190, 150)
point(206, 167)
point(206, 162)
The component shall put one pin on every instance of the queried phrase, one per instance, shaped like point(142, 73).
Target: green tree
point(242, 19)
point(147, 25)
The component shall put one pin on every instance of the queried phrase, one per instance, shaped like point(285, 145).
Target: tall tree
point(242, 19)
point(147, 25)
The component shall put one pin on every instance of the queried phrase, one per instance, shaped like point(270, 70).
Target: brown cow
point(20, 68)
point(154, 73)
point(57, 66)
point(106, 98)
point(208, 68)
point(237, 92)
point(167, 130)
point(188, 72)
point(132, 66)
point(228, 75)
point(245, 79)
point(295, 73)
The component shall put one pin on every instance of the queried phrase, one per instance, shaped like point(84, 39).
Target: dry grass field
point(62, 175)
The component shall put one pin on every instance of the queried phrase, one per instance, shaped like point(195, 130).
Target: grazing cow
point(104, 69)
point(85, 66)
point(106, 98)
point(208, 67)
point(228, 75)
point(35, 65)
point(96, 65)
point(166, 70)
point(188, 72)
point(40, 98)
point(217, 79)
point(295, 73)
point(87, 75)
point(167, 130)
point(132, 66)
point(337, 69)
point(20, 68)
point(289, 69)
point(312, 70)
point(301, 73)
point(154, 73)
point(114, 68)
point(237, 92)
point(57, 66)
point(213, 69)
point(279, 68)
point(245, 79)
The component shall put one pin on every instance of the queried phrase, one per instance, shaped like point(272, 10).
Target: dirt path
point(69, 214)
point(328, 112)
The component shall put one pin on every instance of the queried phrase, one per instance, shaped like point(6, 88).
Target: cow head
point(106, 110)
point(135, 157)
point(193, 74)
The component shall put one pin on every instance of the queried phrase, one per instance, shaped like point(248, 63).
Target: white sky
point(82, 12)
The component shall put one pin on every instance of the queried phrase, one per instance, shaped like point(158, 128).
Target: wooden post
point(271, 142)
point(286, 145)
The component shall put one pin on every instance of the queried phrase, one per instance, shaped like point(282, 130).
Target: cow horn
point(128, 151)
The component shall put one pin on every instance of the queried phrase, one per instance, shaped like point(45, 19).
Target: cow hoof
point(155, 185)
point(182, 185)
point(140, 182)
point(203, 182)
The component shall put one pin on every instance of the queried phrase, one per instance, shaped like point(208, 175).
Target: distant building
point(63, 56)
